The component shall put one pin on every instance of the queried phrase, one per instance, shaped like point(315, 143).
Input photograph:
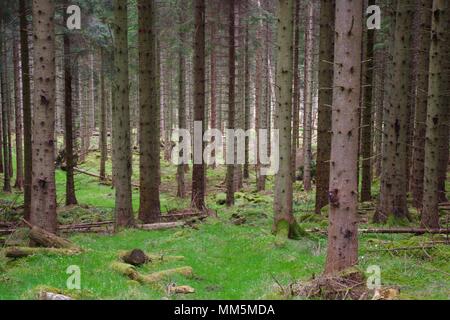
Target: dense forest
point(238, 149)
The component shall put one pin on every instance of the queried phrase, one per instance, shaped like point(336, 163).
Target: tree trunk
point(149, 210)
point(5, 109)
point(393, 178)
point(259, 108)
point(284, 221)
point(366, 131)
point(231, 103)
point(181, 184)
point(326, 47)
point(18, 114)
point(103, 115)
point(422, 21)
point(437, 111)
point(26, 100)
point(342, 249)
point(68, 122)
point(247, 93)
point(121, 119)
point(43, 197)
point(309, 59)
point(296, 98)
point(198, 172)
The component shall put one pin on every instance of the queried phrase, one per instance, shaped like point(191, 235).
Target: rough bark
point(308, 100)
point(121, 119)
point(26, 101)
point(199, 170)
point(231, 101)
point(43, 192)
point(260, 109)
point(422, 28)
point(296, 90)
point(247, 93)
point(149, 209)
point(342, 249)
point(68, 120)
point(18, 114)
point(103, 143)
point(326, 47)
point(181, 184)
point(393, 178)
point(284, 221)
point(5, 110)
point(437, 111)
point(367, 107)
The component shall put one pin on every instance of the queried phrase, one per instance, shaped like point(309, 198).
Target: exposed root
point(349, 284)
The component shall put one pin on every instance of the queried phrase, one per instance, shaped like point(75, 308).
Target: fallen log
point(20, 252)
point(131, 272)
point(416, 231)
point(4, 232)
point(160, 226)
point(50, 240)
point(85, 225)
point(160, 275)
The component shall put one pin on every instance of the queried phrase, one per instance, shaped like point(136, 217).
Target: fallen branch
point(416, 231)
point(20, 252)
point(160, 226)
point(107, 179)
point(85, 225)
point(48, 239)
point(131, 272)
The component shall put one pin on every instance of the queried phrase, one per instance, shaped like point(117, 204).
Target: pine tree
point(121, 119)
point(342, 249)
point(43, 196)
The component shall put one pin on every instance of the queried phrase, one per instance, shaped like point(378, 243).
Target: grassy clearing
point(229, 261)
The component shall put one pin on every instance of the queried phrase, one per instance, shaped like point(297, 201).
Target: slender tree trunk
point(26, 100)
point(181, 183)
point(68, 127)
point(379, 78)
point(393, 180)
point(309, 59)
point(259, 108)
point(231, 102)
point(437, 112)
point(422, 22)
point(284, 221)
point(5, 109)
point(342, 249)
point(43, 197)
point(18, 114)
point(366, 131)
point(326, 47)
point(103, 116)
point(199, 172)
point(121, 119)
point(149, 210)
point(247, 98)
point(296, 98)
point(213, 81)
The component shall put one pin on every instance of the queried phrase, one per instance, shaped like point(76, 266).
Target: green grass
point(229, 261)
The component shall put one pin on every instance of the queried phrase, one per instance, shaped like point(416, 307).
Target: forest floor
point(230, 260)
